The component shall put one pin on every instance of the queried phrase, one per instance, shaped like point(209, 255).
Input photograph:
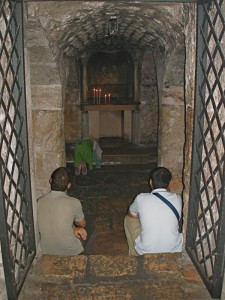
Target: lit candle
point(105, 98)
point(94, 95)
point(109, 98)
point(100, 96)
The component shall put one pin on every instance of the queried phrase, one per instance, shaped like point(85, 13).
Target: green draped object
point(84, 153)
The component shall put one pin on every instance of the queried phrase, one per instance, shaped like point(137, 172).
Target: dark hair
point(160, 177)
point(60, 179)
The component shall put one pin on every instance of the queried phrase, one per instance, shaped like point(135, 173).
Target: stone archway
point(55, 45)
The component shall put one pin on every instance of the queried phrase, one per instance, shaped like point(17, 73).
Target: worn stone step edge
point(152, 276)
point(105, 268)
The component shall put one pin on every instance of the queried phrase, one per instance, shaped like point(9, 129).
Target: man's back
point(159, 225)
point(56, 212)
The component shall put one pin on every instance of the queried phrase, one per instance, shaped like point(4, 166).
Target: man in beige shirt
point(61, 219)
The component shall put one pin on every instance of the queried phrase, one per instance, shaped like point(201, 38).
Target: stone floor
point(106, 194)
point(109, 273)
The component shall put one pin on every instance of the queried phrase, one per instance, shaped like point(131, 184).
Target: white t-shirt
point(159, 225)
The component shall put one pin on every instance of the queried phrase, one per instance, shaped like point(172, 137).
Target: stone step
point(121, 153)
point(152, 276)
point(127, 158)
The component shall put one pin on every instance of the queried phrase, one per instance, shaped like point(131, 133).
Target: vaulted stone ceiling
point(75, 27)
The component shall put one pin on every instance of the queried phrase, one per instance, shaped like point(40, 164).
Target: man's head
point(60, 180)
point(160, 177)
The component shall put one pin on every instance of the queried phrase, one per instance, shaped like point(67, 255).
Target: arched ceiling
point(75, 28)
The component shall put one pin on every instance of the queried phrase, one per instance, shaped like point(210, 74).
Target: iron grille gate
point(16, 216)
point(205, 242)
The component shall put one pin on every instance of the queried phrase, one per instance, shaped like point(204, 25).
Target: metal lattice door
point(16, 216)
point(206, 220)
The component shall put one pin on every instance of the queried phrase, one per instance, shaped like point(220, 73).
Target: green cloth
point(84, 153)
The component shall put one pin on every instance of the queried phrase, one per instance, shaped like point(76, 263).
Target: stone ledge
point(99, 277)
point(87, 269)
point(61, 266)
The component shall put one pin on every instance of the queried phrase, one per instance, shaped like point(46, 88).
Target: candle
point(109, 98)
point(100, 96)
point(105, 98)
point(94, 95)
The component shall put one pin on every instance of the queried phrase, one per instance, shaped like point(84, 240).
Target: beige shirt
point(56, 212)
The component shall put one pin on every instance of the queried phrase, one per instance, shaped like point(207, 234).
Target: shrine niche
point(110, 78)
point(108, 106)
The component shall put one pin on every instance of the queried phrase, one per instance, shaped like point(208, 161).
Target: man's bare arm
point(132, 216)
point(80, 233)
point(81, 223)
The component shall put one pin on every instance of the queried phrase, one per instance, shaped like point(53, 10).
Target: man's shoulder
point(175, 196)
point(62, 196)
point(143, 196)
point(43, 197)
point(72, 200)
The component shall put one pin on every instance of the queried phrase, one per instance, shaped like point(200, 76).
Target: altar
point(108, 119)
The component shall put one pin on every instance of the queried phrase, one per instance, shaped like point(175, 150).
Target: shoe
point(84, 169)
point(78, 170)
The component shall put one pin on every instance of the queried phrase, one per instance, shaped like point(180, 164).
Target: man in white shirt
point(151, 225)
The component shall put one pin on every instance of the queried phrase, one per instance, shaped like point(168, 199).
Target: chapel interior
point(110, 71)
point(123, 73)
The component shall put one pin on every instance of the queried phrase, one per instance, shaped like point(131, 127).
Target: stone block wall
point(47, 116)
point(72, 97)
point(171, 130)
point(172, 115)
point(149, 100)
point(190, 25)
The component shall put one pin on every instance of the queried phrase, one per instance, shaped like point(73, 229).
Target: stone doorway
point(57, 62)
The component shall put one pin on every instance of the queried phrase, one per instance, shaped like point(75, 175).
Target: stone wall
point(149, 100)
point(72, 113)
point(171, 130)
point(190, 25)
point(46, 106)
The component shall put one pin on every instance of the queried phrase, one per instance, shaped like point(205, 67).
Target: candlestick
point(109, 98)
point(105, 98)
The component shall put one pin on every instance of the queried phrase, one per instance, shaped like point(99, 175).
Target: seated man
point(151, 225)
point(61, 219)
